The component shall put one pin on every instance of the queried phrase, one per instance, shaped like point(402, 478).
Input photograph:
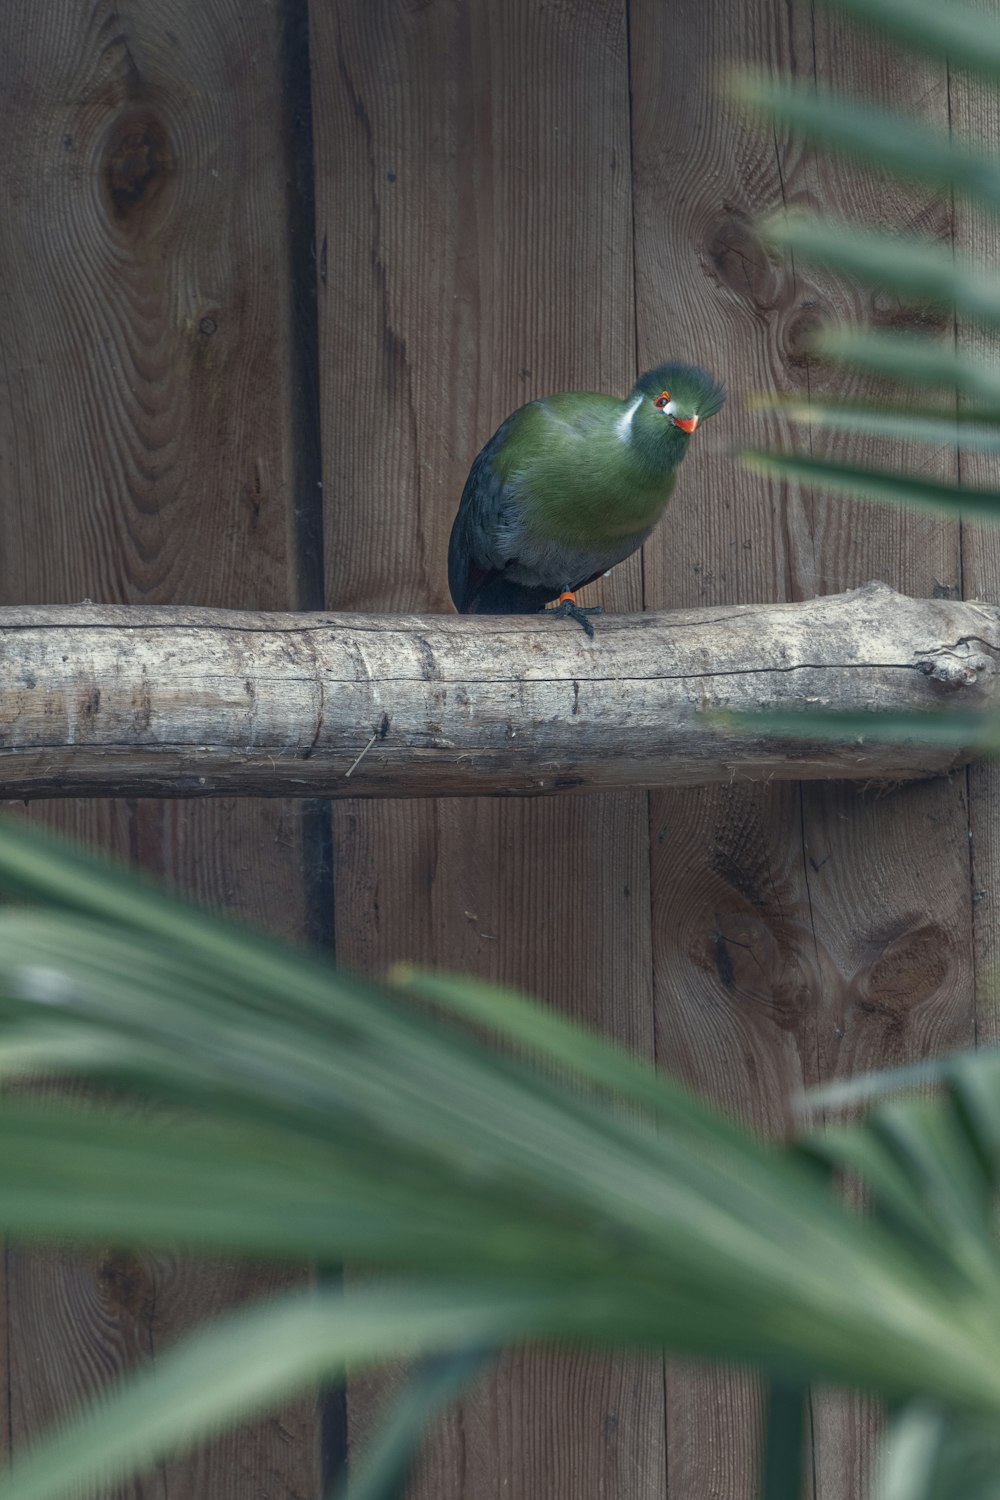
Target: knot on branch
point(966, 664)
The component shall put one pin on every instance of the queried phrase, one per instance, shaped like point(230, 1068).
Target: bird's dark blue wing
point(477, 585)
point(468, 567)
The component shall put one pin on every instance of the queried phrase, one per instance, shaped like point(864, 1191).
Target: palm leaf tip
point(963, 34)
point(967, 731)
point(881, 137)
point(917, 271)
point(876, 484)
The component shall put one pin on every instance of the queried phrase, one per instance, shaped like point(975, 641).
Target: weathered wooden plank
point(731, 971)
point(5, 1386)
point(172, 701)
point(792, 908)
point(475, 231)
point(975, 120)
point(887, 879)
point(148, 441)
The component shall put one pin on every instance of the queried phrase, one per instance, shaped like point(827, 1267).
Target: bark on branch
point(177, 702)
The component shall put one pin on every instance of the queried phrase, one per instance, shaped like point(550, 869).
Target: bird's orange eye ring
point(662, 399)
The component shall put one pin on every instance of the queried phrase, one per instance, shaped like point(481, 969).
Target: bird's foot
point(568, 606)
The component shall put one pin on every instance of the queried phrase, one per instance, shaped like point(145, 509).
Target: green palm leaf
point(914, 270)
point(971, 730)
point(433, 1385)
point(966, 35)
point(563, 1190)
point(877, 484)
point(976, 431)
point(914, 360)
point(253, 1360)
point(891, 141)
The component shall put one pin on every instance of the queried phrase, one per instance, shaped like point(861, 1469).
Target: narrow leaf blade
point(889, 140)
point(786, 1426)
point(915, 270)
point(250, 1361)
point(974, 431)
point(967, 36)
point(433, 1385)
point(913, 359)
point(974, 732)
point(878, 484)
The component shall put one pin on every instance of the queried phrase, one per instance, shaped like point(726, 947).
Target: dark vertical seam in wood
point(789, 576)
point(812, 920)
point(307, 570)
point(811, 1396)
point(802, 789)
point(635, 268)
point(306, 584)
point(954, 337)
point(973, 906)
point(161, 1470)
point(307, 587)
point(969, 788)
point(7, 1352)
point(303, 395)
point(642, 595)
point(332, 1411)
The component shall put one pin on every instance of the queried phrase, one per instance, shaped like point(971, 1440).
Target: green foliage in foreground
point(552, 1190)
point(946, 396)
point(506, 1195)
point(919, 272)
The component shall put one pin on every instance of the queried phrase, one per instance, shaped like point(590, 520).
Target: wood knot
point(799, 334)
point(765, 965)
point(138, 163)
point(909, 970)
point(963, 665)
point(127, 1283)
point(739, 260)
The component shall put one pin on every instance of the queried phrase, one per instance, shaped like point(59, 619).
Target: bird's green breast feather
point(564, 460)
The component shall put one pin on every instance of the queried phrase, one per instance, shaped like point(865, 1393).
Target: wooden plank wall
point(512, 197)
point(475, 221)
point(798, 933)
point(154, 448)
point(791, 935)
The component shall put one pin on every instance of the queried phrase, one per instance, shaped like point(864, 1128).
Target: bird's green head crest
point(683, 394)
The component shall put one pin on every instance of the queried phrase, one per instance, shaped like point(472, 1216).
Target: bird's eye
point(662, 399)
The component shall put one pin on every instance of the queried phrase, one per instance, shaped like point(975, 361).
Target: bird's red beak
point(686, 424)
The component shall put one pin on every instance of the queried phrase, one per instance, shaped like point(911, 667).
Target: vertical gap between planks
point(814, 1475)
point(307, 549)
point(643, 605)
point(300, 185)
point(8, 1383)
point(962, 538)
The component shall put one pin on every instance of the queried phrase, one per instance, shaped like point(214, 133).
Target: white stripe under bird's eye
point(623, 426)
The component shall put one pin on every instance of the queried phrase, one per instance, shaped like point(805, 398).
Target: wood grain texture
point(148, 454)
point(732, 974)
point(475, 230)
point(6, 1426)
point(796, 934)
point(901, 984)
point(172, 701)
point(975, 119)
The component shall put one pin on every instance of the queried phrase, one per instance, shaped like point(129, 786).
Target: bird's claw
point(578, 612)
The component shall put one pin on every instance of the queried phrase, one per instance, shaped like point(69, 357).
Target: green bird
point(567, 487)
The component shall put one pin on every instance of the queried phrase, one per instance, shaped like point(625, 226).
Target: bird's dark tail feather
point(498, 596)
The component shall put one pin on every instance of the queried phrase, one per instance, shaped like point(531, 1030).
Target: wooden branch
point(186, 702)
